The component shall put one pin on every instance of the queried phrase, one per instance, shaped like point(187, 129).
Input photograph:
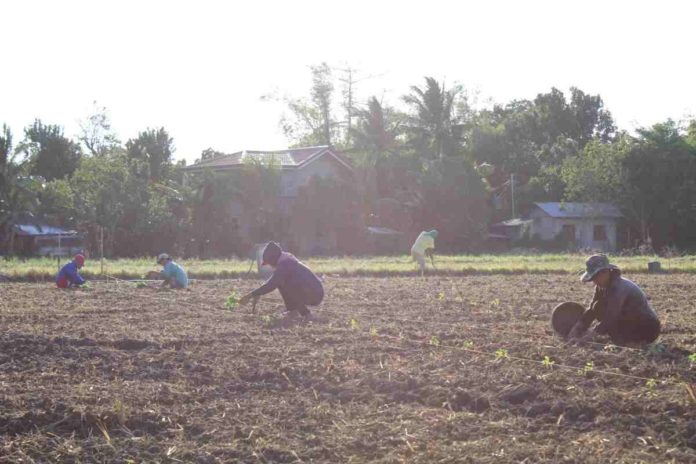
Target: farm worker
point(68, 276)
point(424, 246)
point(297, 284)
point(172, 273)
point(619, 304)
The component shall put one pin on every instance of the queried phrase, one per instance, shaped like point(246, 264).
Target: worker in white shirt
point(424, 246)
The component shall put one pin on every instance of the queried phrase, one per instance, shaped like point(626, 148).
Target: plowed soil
point(441, 369)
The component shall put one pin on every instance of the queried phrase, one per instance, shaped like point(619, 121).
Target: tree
point(52, 155)
point(433, 125)
point(311, 121)
point(151, 153)
point(96, 134)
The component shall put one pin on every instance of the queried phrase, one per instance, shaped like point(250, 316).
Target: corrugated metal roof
point(40, 229)
point(290, 158)
point(514, 222)
point(579, 210)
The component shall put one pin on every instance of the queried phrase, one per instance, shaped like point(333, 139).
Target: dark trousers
point(632, 330)
point(298, 298)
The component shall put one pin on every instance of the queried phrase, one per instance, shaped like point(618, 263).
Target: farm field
point(404, 369)
point(563, 263)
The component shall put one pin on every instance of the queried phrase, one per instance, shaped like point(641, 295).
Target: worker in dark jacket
point(619, 305)
point(297, 284)
point(68, 276)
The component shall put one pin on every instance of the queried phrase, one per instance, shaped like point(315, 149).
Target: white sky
point(199, 68)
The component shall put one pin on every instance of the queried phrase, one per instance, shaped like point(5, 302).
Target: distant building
point(297, 166)
point(583, 225)
point(43, 240)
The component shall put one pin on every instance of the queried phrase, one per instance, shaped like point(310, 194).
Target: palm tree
point(433, 124)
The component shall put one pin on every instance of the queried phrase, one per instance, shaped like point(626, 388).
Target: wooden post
point(101, 248)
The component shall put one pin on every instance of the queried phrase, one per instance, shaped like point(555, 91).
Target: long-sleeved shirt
point(424, 242)
point(172, 269)
point(621, 300)
point(69, 276)
point(290, 272)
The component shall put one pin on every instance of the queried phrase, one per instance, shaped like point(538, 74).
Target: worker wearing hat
point(69, 275)
point(173, 274)
point(619, 305)
point(298, 285)
point(424, 246)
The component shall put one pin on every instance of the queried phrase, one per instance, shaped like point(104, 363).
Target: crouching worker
point(424, 246)
point(297, 284)
point(172, 273)
point(68, 276)
point(619, 305)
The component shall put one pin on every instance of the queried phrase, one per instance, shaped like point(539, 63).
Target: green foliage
point(468, 344)
point(373, 331)
point(547, 362)
point(651, 384)
point(434, 340)
point(354, 324)
point(501, 353)
point(51, 154)
point(232, 300)
point(692, 358)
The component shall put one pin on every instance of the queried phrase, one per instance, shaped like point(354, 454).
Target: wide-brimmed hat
point(162, 257)
point(594, 264)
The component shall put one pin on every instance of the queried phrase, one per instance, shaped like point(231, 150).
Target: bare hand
point(246, 299)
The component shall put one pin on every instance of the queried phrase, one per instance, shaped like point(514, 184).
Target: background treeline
point(432, 159)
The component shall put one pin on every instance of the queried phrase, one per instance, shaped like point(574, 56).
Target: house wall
point(547, 228)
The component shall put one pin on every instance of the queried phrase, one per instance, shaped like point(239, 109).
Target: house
point(43, 240)
point(297, 166)
point(581, 225)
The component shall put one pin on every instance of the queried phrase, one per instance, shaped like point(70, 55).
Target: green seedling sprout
point(495, 303)
point(232, 300)
point(651, 384)
point(373, 331)
point(441, 296)
point(354, 324)
point(468, 344)
point(434, 340)
point(692, 358)
point(501, 353)
point(547, 362)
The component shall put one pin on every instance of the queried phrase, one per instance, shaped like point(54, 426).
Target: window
point(568, 232)
point(600, 232)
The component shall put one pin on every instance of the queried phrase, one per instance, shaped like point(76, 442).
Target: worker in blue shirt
point(68, 276)
point(172, 273)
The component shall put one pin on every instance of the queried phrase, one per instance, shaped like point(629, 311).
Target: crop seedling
point(468, 344)
point(441, 296)
point(501, 353)
point(434, 340)
point(373, 331)
point(354, 324)
point(651, 384)
point(547, 362)
point(589, 366)
point(495, 303)
point(232, 300)
point(692, 358)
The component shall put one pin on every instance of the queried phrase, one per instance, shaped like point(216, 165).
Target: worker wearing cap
point(172, 273)
point(297, 284)
point(424, 246)
point(69, 275)
point(619, 305)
